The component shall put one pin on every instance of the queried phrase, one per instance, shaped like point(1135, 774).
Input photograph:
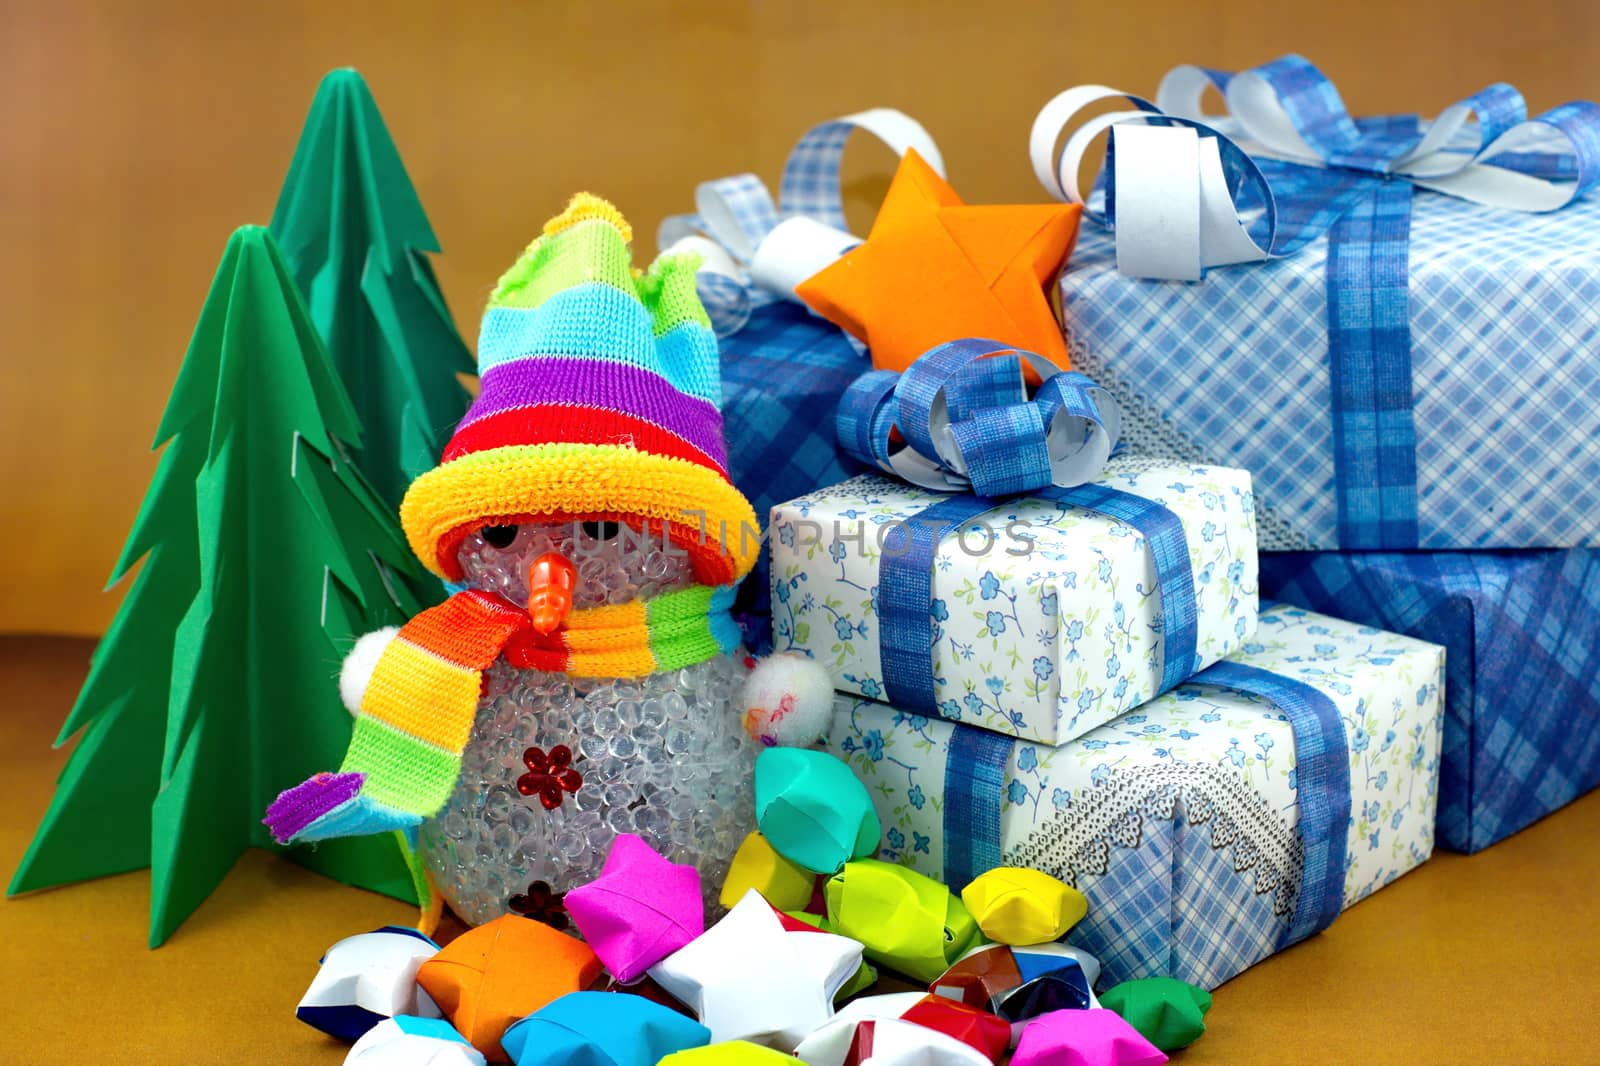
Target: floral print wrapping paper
point(1178, 820)
point(1047, 616)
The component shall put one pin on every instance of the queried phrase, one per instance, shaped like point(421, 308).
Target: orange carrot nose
point(551, 578)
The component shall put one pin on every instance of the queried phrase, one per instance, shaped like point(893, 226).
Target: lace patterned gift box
point(1046, 618)
point(1182, 821)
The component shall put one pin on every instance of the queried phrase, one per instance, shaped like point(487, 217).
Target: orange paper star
point(934, 269)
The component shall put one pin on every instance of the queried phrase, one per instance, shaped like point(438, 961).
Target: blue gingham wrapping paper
point(1522, 694)
point(782, 376)
point(1178, 819)
point(1505, 338)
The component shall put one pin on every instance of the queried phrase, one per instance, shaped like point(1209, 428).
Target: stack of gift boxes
point(1184, 649)
point(1222, 749)
point(1043, 733)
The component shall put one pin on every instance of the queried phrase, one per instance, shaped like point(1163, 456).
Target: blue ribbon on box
point(1322, 785)
point(975, 791)
point(970, 429)
point(1288, 165)
point(969, 425)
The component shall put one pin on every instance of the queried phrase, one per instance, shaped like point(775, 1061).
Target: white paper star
point(366, 978)
point(748, 978)
point(407, 1041)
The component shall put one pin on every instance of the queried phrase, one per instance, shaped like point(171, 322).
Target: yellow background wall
point(135, 136)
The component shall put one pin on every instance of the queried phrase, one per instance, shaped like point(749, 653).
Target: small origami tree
point(265, 555)
point(355, 237)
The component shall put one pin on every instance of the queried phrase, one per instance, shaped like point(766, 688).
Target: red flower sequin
point(549, 775)
point(542, 905)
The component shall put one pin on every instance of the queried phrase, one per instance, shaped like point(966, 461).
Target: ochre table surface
point(1492, 958)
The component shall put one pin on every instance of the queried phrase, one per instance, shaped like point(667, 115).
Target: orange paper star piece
point(500, 972)
point(934, 270)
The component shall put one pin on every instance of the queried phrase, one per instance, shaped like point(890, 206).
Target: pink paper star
point(641, 909)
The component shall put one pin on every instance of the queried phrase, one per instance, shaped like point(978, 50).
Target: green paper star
point(1167, 1012)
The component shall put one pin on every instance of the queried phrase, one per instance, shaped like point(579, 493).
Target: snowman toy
point(584, 678)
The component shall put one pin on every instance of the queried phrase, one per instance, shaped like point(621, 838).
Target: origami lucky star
point(982, 1037)
point(813, 810)
point(905, 920)
point(888, 1042)
point(601, 1029)
point(732, 1053)
point(758, 865)
point(408, 1041)
point(748, 978)
point(639, 910)
point(1084, 1038)
point(934, 269)
point(1019, 984)
point(1169, 1013)
point(801, 922)
point(829, 1045)
point(493, 975)
point(366, 978)
point(1037, 960)
point(1020, 906)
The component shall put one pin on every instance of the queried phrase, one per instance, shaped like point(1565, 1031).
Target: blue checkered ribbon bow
point(971, 432)
point(754, 250)
point(969, 425)
point(1289, 165)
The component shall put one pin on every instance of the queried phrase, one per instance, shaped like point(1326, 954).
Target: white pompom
point(788, 699)
point(356, 673)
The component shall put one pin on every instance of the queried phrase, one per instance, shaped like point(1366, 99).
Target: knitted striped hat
point(600, 401)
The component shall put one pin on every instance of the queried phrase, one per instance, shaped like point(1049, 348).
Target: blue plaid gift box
point(1522, 696)
point(782, 376)
point(1192, 824)
point(1405, 369)
point(1505, 320)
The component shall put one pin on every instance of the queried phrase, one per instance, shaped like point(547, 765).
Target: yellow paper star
point(934, 269)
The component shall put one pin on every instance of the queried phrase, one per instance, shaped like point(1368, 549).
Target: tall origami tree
point(355, 237)
point(266, 553)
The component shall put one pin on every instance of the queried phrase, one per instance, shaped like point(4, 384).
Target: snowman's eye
point(602, 530)
point(498, 536)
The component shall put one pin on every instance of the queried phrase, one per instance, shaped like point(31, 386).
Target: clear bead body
point(663, 756)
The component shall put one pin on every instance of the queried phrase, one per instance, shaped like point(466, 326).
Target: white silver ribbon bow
point(754, 251)
point(1187, 191)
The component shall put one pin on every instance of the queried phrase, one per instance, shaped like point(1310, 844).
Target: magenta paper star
point(640, 909)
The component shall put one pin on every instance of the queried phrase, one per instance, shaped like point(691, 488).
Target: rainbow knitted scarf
point(417, 713)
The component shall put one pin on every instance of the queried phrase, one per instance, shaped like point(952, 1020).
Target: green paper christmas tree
point(265, 555)
point(355, 237)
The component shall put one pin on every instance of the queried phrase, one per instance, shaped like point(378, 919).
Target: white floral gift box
point(1186, 823)
point(1044, 619)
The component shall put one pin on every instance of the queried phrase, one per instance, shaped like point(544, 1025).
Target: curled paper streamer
point(969, 426)
point(1186, 190)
